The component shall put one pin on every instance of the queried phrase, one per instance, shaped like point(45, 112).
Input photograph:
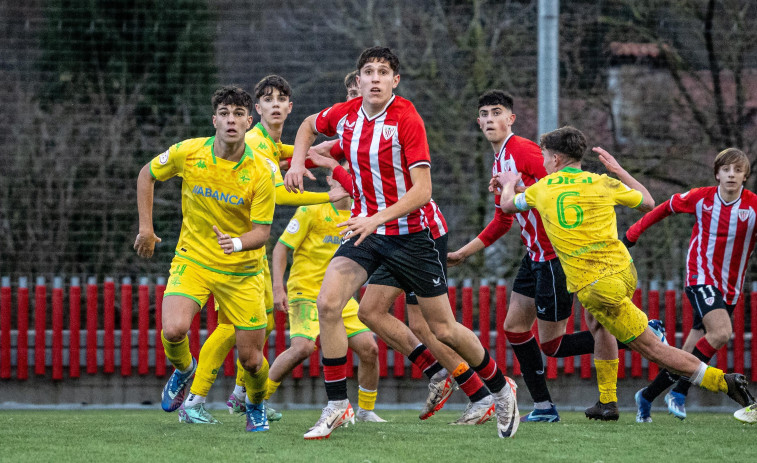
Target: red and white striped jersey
point(519, 154)
point(434, 220)
point(722, 239)
point(381, 150)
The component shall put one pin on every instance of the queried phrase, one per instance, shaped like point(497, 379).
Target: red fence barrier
point(109, 316)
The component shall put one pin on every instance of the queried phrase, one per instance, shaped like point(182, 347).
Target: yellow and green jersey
point(215, 191)
point(577, 209)
point(314, 236)
point(262, 143)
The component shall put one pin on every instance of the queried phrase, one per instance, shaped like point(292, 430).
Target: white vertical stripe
point(399, 178)
point(535, 225)
point(700, 227)
point(378, 186)
point(749, 236)
point(712, 240)
point(733, 224)
point(356, 171)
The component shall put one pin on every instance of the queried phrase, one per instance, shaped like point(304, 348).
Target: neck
point(274, 130)
point(563, 165)
point(371, 110)
point(729, 196)
point(228, 151)
point(343, 204)
point(497, 145)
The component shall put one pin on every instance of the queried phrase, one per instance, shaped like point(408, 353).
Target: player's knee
point(443, 332)
point(368, 353)
point(174, 332)
point(367, 317)
point(303, 350)
point(328, 309)
point(719, 338)
point(251, 362)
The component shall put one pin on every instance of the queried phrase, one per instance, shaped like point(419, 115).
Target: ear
point(214, 121)
point(396, 81)
point(259, 111)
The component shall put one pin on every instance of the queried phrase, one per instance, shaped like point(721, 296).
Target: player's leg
point(606, 365)
point(250, 344)
point(363, 343)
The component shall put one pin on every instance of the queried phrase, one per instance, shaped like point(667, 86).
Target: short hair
point(566, 140)
point(732, 156)
point(268, 83)
point(350, 80)
point(496, 97)
point(379, 54)
point(231, 95)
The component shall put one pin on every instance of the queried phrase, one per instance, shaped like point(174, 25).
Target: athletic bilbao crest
point(389, 131)
point(709, 300)
point(744, 214)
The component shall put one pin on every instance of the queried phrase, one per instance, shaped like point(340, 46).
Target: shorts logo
point(541, 310)
point(346, 237)
point(163, 158)
point(389, 131)
point(744, 214)
point(293, 227)
point(437, 281)
point(709, 300)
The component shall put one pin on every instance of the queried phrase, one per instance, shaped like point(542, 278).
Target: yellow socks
point(240, 374)
point(212, 355)
point(607, 380)
point(256, 384)
point(366, 399)
point(271, 387)
point(177, 352)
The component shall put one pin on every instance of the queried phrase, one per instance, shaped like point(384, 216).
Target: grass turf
point(153, 436)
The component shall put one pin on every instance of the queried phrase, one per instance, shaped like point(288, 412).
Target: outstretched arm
point(649, 219)
point(146, 238)
point(612, 165)
point(306, 135)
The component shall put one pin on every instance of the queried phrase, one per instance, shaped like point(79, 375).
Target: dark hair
point(350, 80)
point(379, 54)
point(495, 97)
point(268, 83)
point(732, 156)
point(567, 140)
point(231, 95)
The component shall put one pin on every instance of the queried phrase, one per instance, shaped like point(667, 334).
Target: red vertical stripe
point(92, 316)
point(160, 354)
point(57, 329)
point(5, 329)
point(569, 364)
point(653, 309)
point(738, 339)
point(143, 328)
point(40, 323)
point(399, 359)
point(74, 329)
point(22, 344)
point(126, 312)
point(109, 324)
point(670, 316)
point(467, 304)
point(484, 314)
point(635, 356)
point(500, 293)
point(586, 358)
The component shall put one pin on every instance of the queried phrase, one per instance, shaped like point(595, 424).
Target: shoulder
point(193, 144)
point(403, 108)
point(524, 144)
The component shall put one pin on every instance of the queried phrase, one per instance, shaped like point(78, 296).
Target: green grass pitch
point(144, 436)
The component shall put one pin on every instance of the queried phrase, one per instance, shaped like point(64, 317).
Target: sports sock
point(569, 345)
point(423, 359)
point(659, 384)
point(470, 382)
point(704, 351)
point(527, 352)
point(178, 353)
point(239, 392)
point(335, 378)
point(193, 400)
point(546, 405)
point(212, 354)
point(712, 379)
point(366, 399)
point(271, 387)
point(256, 383)
point(607, 379)
point(240, 374)
point(490, 373)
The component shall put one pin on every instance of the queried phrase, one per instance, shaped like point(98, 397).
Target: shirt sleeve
point(286, 150)
point(685, 202)
point(499, 225)
point(297, 229)
point(344, 178)
point(623, 194)
point(327, 119)
point(649, 219)
point(412, 137)
point(288, 198)
point(530, 162)
point(263, 197)
point(337, 152)
point(168, 164)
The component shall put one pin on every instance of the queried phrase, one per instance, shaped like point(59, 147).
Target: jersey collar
point(380, 113)
point(732, 202)
point(502, 148)
point(571, 170)
point(247, 152)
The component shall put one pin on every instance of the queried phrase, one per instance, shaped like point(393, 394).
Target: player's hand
point(280, 299)
point(607, 159)
point(284, 163)
point(508, 178)
point(224, 241)
point(629, 244)
point(337, 191)
point(358, 228)
point(494, 186)
point(293, 180)
point(323, 148)
point(455, 258)
point(145, 244)
point(321, 160)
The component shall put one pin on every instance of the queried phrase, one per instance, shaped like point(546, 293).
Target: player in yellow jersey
point(313, 235)
point(578, 212)
point(273, 104)
point(227, 207)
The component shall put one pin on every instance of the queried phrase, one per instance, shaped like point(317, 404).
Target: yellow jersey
point(577, 209)
point(215, 191)
point(313, 235)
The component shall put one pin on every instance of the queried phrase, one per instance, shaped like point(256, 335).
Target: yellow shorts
point(609, 301)
point(303, 319)
point(239, 299)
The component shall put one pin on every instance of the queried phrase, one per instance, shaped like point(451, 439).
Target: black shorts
point(704, 299)
point(545, 283)
point(412, 259)
point(382, 276)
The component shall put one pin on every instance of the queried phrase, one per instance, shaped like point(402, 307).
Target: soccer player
point(385, 142)
point(273, 104)
point(578, 213)
point(227, 189)
point(721, 244)
point(313, 236)
point(539, 291)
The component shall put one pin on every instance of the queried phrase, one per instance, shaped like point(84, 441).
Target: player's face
point(231, 123)
point(731, 177)
point(353, 92)
point(376, 82)
point(496, 122)
point(550, 161)
point(273, 107)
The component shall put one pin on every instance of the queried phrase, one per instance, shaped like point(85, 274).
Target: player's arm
point(279, 264)
point(306, 135)
point(327, 148)
point(507, 182)
point(498, 226)
point(146, 238)
point(253, 239)
point(650, 218)
point(338, 172)
point(415, 198)
point(612, 165)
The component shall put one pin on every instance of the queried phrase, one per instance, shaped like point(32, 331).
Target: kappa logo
point(389, 131)
point(744, 214)
point(163, 158)
point(323, 114)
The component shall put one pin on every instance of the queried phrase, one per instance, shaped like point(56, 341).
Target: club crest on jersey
point(163, 158)
point(272, 165)
point(389, 131)
point(294, 226)
point(744, 214)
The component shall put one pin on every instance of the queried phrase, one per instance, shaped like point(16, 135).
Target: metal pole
point(549, 65)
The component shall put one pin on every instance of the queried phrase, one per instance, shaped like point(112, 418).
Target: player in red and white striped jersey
point(539, 291)
point(384, 139)
point(722, 241)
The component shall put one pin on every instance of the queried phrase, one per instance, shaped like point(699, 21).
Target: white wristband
point(237, 244)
